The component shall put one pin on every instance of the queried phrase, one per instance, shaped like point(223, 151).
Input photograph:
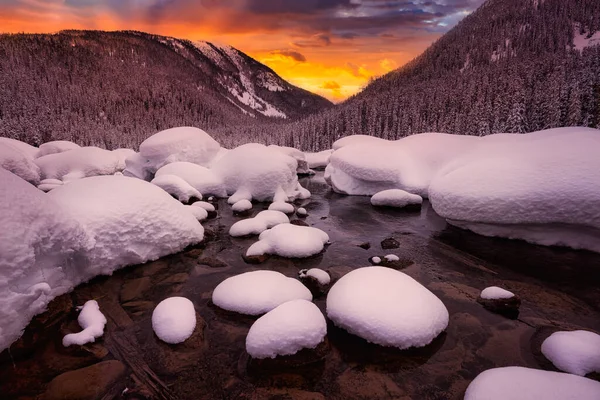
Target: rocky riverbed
point(559, 289)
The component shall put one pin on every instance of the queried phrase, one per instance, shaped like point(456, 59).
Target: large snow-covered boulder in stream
point(386, 307)
point(318, 160)
point(19, 163)
point(78, 163)
point(200, 178)
point(256, 172)
point(56, 146)
point(41, 249)
point(518, 383)
point(575, 352)
point(132, 221)
point(179, 144)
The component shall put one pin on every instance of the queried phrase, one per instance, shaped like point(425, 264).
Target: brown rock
point(212, 262)
point(389, 243)
point(134, 289)
point(138, 306)
point(284, 394)
point(298, 222)
point(356, 384)
point(365, 245)
point(255, 259)
point(87, 383)
point(507, 307)
point(176, 278)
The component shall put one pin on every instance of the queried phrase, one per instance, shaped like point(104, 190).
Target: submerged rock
point(389, 243)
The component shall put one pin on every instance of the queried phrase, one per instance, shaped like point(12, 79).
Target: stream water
point(559, 288)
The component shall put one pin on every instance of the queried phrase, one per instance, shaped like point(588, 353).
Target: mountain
point(116, 88)
point(511, 66)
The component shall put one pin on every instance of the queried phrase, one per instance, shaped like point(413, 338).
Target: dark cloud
point(318, 40)
point(295, 6)
point(294, 55)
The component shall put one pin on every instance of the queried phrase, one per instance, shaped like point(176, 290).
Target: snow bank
point(40, 252)
point(178, 144)
point(321, 276)
point(395, 198)
point(57, 146)
point(78, 163)
point(258, 292)
point(27, 149)
point(359, 140)
point(518, 383)
point(200, 178)
point(260, 223)
point(292, 241)
point(19, 163)
point(386, 307)
point(176, 187)
point(496, 293)
point(318, 160)
point(576, 352)
point(241, 206)
point(287, 329)
point(174, 320)
point(92, 321)
point(132, 221)
point(256, 172)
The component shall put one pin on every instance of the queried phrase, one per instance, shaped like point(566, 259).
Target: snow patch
point(260, 223)
point(92, 321)
point(291, 241)
point(496, 293)
point(174, 320)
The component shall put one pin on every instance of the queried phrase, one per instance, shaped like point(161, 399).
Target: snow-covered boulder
point(139, 167)
point(122, 156)
point(316, 280)
point(176, 187)
point(132, 221)
point(303, 168)
point(92, 321)
point(258, 292)
point(241, 206)
point(174, 320)
point(19, 163)
point(258, 224)
point(256, 172)
point(318, 160)
point(396, 198)
point(41, 247)
point(575, 352)
point(179, 144)
point(288, 240)
point(200, 178)
point(386, 307)
point(199, 213)
point(287, 329)
point(507, 187)
point(282, 206)
point(500, 301)
point(78, 163)
point(518, 383)
point(57, 146)
point(27, 149)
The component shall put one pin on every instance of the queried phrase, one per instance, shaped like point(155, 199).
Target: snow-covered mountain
point(114, 89)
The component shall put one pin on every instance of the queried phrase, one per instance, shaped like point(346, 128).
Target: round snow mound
point(496, 293)
point(386, 307)
point(321, 276)
point(174, 320)
point(287, 329)
point(292, 241)
point(576, 352)
point(518, 383)
point(395, 198)
point(258, 292)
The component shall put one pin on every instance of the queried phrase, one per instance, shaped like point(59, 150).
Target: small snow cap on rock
point(376, 260)
point(174, 320)
point(176, 187)
point(92, 321)
point(386, 307)
point(198, 212)
point(260, 223)
point(301, 212)
point(392, 257)
point(494, 292)
point(500, 301)
point(287, 329)
point(318, 274)
point(576, 352)
point(242, 206)
point(258, 292)
point(395, 198)
point(518, 383)
point(282, 206)
point(291, 241)
point(203, 204)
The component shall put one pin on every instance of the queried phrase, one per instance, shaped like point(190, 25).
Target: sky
point(329, 47)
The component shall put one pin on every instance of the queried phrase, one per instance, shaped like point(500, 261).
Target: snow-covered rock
point(518, 383)
point(376, 260)
point(301, 212)
point(575, 352)
point(179, 144)
point(303, 168)
point(139, 167)
point(200, 178)
point(92, 321)
point(287, 329)
point(318, 160)
point(78, 163)
point(359, 140)
point(259, 223)
point(207, 206)
point(40, 251)
point(19, 163)
point(27, 149)
point(495, 293)
point(176, 187)
point(57, 146)
point(391, 257)
point(199, 213)
point(292, 241)
point(242, 206)
point(174, 320)
point(386, 307)
point(122, 156)
point(282, 206)
point(258, 292)
point(395, 198)
point(256, 172)
point(131, 221)
point(318, 274)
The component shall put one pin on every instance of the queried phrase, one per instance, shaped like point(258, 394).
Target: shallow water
point(559, 288)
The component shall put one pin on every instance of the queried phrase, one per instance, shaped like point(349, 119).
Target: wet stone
point(389, 243)
point(302, 358)
point(298, 222)
point(365, 245)
point(134, 289)
point(506, 307)
point(255, 259)
point(175, 278)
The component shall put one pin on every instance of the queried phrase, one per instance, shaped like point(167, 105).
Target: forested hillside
point(114, 89)
point(511, 66)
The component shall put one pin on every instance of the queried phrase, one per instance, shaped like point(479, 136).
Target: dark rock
point(212, 214)
point(193, 200)
point(302, 358)
point(194, 253)
point(136, 307)
point(365, 245)
point(298, 222)
point(209, 234)
point(176, 278)
point(212, 262)
point(323, 217)
point(255, 259)
point(134, 289)
point(359, 384)
point(389, 243)
point(398, 264)
point(507, 307)
point(87, 383)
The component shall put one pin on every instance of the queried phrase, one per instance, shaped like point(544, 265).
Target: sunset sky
point(331, 47)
